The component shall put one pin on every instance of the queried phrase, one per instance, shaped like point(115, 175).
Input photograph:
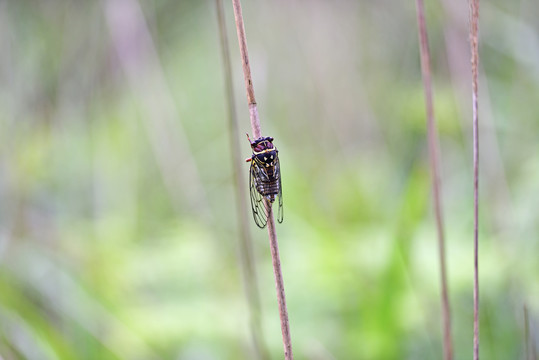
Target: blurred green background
point(118, 221)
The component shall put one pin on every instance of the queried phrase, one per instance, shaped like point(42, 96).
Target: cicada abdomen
point(265, 180)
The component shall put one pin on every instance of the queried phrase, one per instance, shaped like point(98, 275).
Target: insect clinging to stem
point(264, 180)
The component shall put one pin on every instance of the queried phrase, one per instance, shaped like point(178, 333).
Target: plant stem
point(255, 125)
point(530, 352)
point(526, 334)
point(435, 174)
point(246, 247)
point(279, 284)
point(251, 101)
point(474, 19)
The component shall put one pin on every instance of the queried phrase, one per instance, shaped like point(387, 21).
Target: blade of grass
point(474, 19)
point(255, 125)
point(435, 174)
point(246, 243)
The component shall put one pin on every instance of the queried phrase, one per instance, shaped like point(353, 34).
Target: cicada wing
point(258, 205)
point(280, 195)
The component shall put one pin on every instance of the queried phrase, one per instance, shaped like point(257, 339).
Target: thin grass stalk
point(527, 351)
point(246, 243)
point(255, 125)
point(242, 39)
point(433, 142)
point(474, 27)
point(532, 345)
point(530, 351)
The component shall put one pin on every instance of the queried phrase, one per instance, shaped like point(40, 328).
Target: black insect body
point(265, 180)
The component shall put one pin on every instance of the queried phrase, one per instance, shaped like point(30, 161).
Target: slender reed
point(474, 20)
point(246, 246)
point(255, 125)
point(530, 351)
point(527, 352)
point(432, 136)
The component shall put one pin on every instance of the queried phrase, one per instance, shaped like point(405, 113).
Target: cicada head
point(261, 144)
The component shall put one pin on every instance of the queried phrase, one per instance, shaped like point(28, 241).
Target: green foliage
point(107, 251)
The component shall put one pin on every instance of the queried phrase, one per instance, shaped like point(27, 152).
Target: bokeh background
point(118, 221)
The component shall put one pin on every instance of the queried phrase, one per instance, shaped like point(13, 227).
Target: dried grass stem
point(433, 143)
point(255, 125)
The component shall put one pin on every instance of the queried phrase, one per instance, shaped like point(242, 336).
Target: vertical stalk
point(246, 247)
point(530, 352)
point(251, 101)
point(255, 125)
point(527, 352)
point(474, 19)
point(435, 175)
point(279, 284)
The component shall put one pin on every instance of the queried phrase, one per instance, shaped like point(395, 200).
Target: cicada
point(265, 180)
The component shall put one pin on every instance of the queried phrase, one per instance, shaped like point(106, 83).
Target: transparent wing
point(280, 195)
point(258, 205)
